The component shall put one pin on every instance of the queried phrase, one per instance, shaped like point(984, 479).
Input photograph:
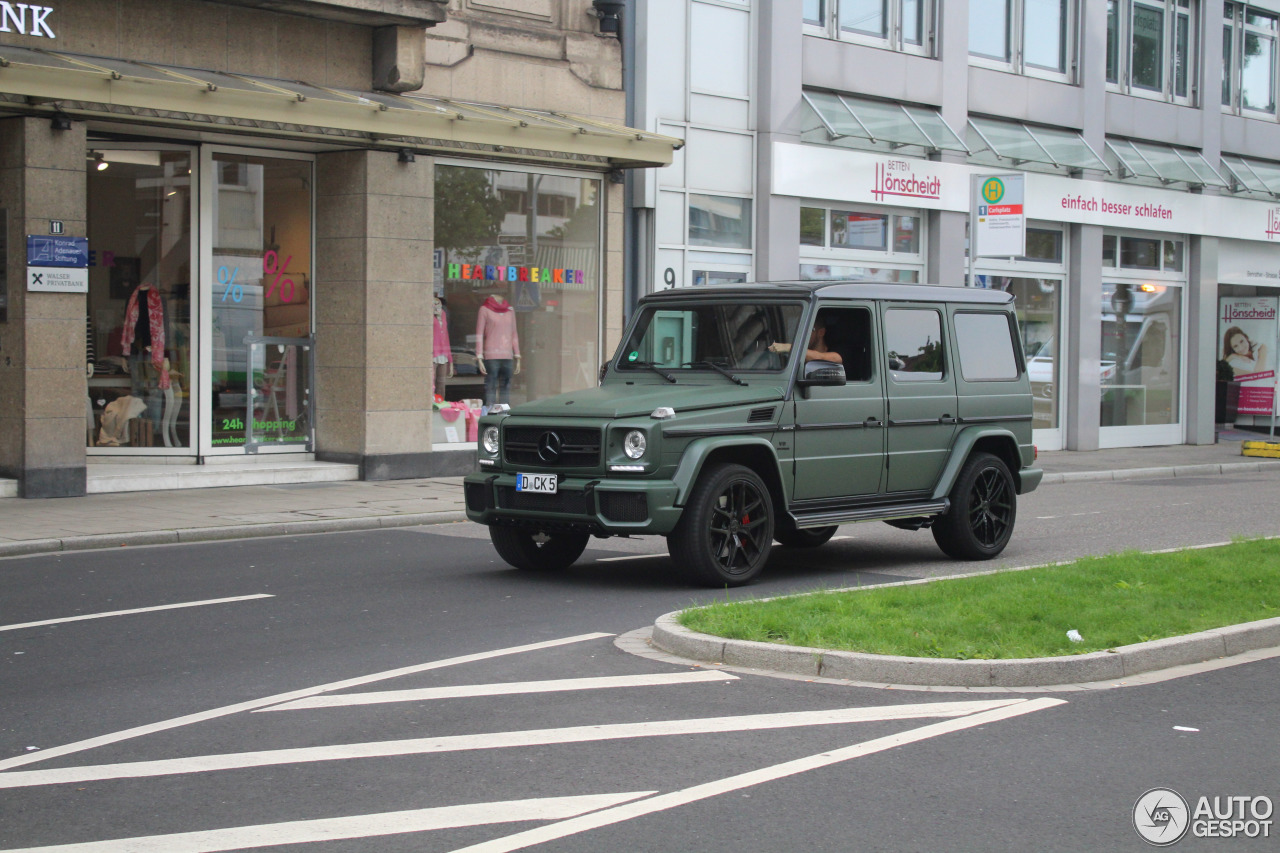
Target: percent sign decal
point(271, 266)
point(227, 278)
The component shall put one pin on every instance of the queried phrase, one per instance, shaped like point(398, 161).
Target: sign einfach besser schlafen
point(998, 223)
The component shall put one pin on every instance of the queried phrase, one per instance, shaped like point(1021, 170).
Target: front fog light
point(635, 444)
point(490, 439)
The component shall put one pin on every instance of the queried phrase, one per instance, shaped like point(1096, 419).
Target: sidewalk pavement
point(237, 512)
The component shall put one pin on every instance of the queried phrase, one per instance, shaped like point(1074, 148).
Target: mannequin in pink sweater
point(497, 348)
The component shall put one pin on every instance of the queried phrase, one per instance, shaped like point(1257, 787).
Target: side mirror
point(822, 374)
point(604, 368)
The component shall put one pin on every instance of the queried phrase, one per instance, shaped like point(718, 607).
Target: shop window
point(516, 280)
point(1249, 59)
point(812, 227)
point(719, 221)
point(1152, 47)
point(261, 323)
point(1143, 253)
point(1024, 36)
point(1037, 306)
point(850, 230)
point(905, 25)
point(985, 345)
point(845, 272)
point(1141, 354)
point(913, 344)
point(138, 343)
point(1043, 245)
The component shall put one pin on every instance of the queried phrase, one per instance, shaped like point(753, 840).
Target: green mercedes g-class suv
point(732, 416)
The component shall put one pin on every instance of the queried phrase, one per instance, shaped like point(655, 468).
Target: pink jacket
point(440, 337)
point(496, 335)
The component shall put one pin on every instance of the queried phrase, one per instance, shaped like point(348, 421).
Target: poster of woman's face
point(1248, 330)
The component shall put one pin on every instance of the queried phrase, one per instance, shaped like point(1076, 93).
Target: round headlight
point(635, 444)
point(490, 439)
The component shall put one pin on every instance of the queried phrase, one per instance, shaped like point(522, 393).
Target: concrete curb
point(224, 532)
point(1164, 472)
point(1122, 662)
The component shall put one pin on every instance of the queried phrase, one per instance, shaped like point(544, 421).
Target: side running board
point(827, 518)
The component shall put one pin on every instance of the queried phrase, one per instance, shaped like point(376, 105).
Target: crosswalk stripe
point(226, 710)
point(662, 802)
point(495, 740)
point(355, 826)
point(135, 610)
point(464, 691)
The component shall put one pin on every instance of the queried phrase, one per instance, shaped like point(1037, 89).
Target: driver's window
point(843, 336)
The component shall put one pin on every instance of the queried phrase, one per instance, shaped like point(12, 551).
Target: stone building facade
point(241, 205)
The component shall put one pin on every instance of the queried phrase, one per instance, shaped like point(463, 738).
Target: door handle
point(873, 422)
point(948, 419)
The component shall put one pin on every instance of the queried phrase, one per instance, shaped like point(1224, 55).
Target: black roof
point(809, 290)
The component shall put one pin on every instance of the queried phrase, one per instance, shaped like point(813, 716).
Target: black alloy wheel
point(538, 550)
point(984, 505)
point(726, 531)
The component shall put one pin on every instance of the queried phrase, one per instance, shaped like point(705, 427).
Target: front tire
point(726, 531)
point(538, 550)
point(984, 505)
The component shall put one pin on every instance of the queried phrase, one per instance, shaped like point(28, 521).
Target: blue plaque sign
point(57, 251)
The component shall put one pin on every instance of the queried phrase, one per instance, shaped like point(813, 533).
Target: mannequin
point(144, 326)
point(441, 353)
point(497, 345)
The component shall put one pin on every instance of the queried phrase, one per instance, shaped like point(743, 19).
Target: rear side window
point(985, 342)
point(913, 344)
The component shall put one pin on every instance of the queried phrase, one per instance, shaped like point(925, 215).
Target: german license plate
point(544, 484)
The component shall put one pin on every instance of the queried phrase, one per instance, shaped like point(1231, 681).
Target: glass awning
point(1162, 163)
point(842, 119)
point(131, 91)
point(1006, 143)
point(1252, 176)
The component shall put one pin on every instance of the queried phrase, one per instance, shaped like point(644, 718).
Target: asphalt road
point(152, 725)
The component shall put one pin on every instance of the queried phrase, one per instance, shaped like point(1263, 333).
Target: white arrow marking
point(176, 722)
point(356, 826)
point(131, 612)
point(495, 740)
point(464, 691)
point(618, 814)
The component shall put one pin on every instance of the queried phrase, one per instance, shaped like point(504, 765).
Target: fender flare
point(961, 449)
point(696, 452)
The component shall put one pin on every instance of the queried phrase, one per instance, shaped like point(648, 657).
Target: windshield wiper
point(654, 368)
point(717, 368)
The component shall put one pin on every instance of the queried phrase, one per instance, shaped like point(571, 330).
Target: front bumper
point(600, 505)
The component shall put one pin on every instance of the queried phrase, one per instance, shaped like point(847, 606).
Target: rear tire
point(538, 550)
point(811, 538)
point(984, 505)
point(726, 531)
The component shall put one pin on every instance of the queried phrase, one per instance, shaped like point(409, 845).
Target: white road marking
point(177, 722)
point(131, 612)
point(493, 740)
point(618, 814)
point(355, 826)
point(838, 538)
point(629, 557)
point(503, 689)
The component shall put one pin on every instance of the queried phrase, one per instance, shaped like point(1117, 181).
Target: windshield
point(736, 336)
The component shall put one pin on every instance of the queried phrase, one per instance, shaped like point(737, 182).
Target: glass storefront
point(199, 306)
point(139, 304)
point(1141, 352)
point(518, 267)
point(857, 243)
point(261, 317)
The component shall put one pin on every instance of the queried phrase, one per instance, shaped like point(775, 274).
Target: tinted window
point(737, 335)
point(913, 344)
point(847, 331)
point(985, 342)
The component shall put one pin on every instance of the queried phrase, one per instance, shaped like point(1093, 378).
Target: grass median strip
point(1111, 601)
